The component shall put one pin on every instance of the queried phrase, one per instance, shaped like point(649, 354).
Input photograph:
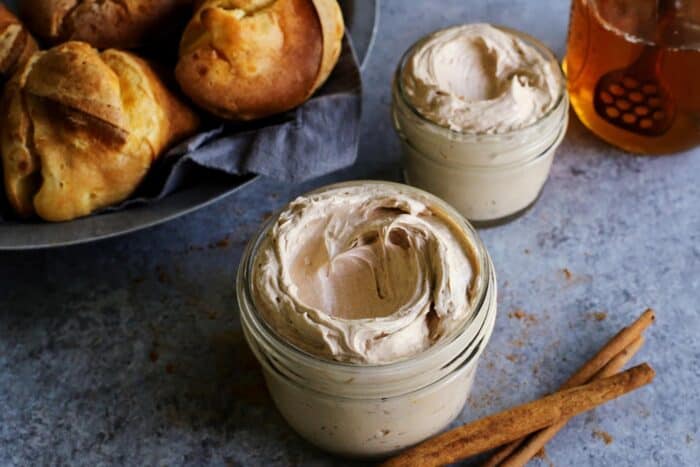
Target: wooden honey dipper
point(634, 98)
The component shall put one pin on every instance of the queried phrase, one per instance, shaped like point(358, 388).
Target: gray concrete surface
point(128, 351)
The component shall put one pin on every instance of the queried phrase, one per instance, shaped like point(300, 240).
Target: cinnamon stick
point(621, 359)
point(534, 443)
point(514, 423)
point(617, 344)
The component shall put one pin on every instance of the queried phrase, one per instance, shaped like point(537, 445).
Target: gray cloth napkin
point(317, 138)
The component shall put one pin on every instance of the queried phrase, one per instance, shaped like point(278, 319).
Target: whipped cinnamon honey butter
point(368, 305)
point(368, 274)
point(480, 110)
point(480, 79)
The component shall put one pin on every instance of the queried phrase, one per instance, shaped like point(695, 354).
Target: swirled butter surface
point(368, 273)
point(477, 78)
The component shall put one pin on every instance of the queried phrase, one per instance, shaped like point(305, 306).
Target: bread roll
point(16, 44)
point(246, 59)
point(122, 24)
point(82, 129)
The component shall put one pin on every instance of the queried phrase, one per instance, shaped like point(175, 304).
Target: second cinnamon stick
point(512, 424)
point(537, 441)
point(590, 369)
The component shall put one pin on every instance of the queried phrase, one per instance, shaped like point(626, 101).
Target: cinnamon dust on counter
point(572, 279)
point(221, 243)
point(523, 316)
point(516, 314)
point(598, 315)
point(604, 436)
point(517, 343)
point(163, 276)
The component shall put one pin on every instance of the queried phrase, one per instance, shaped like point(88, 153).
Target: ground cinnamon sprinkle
point(163, 277)
point(597, 315)
point(567, 274)
point(223, 243)
point(522, 315)
point(603, 436)
point(512, 357)
point(517, 343)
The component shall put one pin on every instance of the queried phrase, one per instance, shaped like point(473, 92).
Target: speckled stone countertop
point(128, 351)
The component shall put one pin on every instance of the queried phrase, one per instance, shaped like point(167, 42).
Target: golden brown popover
point(82, 129)
point(246, 59)
point(16, 44)
point(122, 24)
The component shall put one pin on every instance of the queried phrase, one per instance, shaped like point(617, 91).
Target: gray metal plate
point(361, 17)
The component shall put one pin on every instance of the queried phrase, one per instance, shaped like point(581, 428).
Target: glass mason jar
point(372, 410)
point(632, 68)
point(489, 178)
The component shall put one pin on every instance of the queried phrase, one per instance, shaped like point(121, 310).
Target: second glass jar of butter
point(489, 178)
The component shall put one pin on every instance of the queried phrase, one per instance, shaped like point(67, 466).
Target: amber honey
point(634, 73)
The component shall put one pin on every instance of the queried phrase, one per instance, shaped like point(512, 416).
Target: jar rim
point(539, 45)
point(483, 280)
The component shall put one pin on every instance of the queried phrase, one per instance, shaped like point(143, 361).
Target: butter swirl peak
point(367, 274)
